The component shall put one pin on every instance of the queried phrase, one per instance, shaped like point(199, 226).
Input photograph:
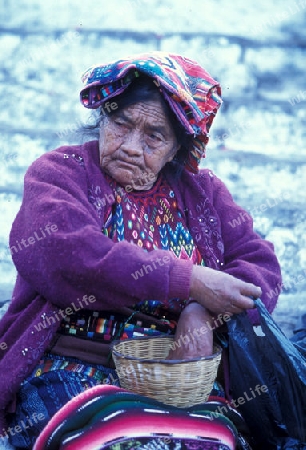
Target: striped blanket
point(108, 417)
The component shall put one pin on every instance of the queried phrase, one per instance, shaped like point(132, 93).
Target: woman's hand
point(194, 336)
point(220, 292)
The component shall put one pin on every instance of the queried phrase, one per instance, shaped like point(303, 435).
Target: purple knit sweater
point(67, 257)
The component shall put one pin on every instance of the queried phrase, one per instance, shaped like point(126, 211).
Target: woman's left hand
point(193, 337)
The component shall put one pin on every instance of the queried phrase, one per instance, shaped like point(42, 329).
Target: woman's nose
point(133, 143)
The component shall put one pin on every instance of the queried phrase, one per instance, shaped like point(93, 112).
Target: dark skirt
point(58, 380)
point(54, 382)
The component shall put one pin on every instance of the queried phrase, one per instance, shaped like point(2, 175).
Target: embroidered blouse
point(152, 220)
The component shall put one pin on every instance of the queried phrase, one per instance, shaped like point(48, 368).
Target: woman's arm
point(247, 256)
point(249, 267)
point(77, 259)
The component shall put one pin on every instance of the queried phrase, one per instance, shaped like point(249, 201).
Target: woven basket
point(142, 368)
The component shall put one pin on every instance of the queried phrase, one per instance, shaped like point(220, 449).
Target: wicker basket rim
point(160, 361)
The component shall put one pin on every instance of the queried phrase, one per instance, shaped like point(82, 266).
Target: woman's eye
point(120, 122)
point(155, 137)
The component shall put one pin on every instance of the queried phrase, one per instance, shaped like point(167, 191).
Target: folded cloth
point(108, 417)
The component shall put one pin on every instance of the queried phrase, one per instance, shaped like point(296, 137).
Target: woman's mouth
point(128, 165)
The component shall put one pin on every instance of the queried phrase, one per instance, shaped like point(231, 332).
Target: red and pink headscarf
point(192, 94)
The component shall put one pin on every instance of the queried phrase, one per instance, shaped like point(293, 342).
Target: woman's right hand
point(220, 292)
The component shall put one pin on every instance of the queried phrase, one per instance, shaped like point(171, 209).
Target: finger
point(233, 309)
point(236, 310)
point(244, 303)
point(250, 290)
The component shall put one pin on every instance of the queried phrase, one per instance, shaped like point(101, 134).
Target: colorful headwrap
point(193, 95)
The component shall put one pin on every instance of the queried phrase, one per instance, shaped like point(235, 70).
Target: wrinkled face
point(135, 144)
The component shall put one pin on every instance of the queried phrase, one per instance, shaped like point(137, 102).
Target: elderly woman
point(123, 236)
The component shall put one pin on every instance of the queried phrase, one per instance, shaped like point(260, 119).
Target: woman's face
point(135, 144)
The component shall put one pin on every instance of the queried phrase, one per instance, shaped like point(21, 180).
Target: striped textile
point(108, 417)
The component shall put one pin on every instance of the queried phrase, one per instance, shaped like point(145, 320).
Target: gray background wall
point(257, 51)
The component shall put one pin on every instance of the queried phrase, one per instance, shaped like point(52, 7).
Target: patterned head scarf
point(192, 94)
